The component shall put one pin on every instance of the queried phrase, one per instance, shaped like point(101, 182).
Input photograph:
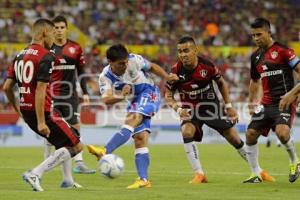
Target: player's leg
point(283, 133)
point(121, 137)
point(80, 167)
point(47, 149)
point(67, 144)
point(189, 131)
point(234, 139)
point(142, 160)
point(257, 173)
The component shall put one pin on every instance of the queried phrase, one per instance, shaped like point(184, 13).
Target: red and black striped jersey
point(69, 60)
point(195, 85)
point(275, 68)
point(32, 64)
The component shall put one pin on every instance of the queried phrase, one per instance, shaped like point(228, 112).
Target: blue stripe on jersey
point(147, 65)
point(293, 63)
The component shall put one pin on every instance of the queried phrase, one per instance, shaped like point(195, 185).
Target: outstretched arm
point(157, 70)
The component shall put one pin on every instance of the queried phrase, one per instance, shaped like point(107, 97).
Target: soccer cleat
point(97, 151)
point(253, 179)
point(198, 178)
point(69, 185)
point(33, 180)
point(140, 183)
point(265, 176)
point(81, 168)
point(294, 172)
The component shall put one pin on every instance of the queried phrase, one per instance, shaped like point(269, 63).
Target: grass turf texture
point(169, 172)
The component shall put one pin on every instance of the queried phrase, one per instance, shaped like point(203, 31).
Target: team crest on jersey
point(274, 54)
point(203, 73)
point(72, 50)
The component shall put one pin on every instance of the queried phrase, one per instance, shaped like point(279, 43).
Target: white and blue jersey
point(146, 98)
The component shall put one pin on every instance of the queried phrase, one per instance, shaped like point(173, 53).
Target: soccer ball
point(111, 165)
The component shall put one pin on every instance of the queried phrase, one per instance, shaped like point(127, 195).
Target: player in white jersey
point(127, 76)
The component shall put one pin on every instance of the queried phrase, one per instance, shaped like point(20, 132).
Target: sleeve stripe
point(293, 63)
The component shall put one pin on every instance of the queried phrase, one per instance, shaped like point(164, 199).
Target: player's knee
point(251, 136)
point(188, 130)
point(78, 148)
point(133, 119)
point(140, 140)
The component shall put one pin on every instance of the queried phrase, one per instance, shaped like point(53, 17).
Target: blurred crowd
point(143, 22)
point(213, 22)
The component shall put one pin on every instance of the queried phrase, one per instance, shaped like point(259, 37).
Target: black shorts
point(266, 117)
point(61, 133)
point(217, 121)
point(68, 109)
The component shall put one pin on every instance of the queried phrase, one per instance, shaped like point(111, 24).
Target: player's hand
point(286, 101)
point(184, 113)
point(44, 129)
point(126, 90)
point(251, 107)
point(172, 77)
point(232, 115)
point(86, 99)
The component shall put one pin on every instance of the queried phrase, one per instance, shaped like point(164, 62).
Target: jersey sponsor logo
point(271, 73)
point(72, 50)
point(64, 67)
point(194, 86)
point(274, 54)
point(203, 73)
point(194, 92)
point(62, 61)
point(265, 67)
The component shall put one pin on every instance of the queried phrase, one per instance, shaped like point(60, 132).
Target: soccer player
point(31, 70)
point(69, 60)
point(125, 76)
point(272, 65)
point(199, 103)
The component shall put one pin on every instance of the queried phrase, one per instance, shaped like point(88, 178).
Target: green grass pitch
point(169, 172)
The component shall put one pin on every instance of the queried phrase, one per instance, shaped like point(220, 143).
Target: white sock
point(66, 171)
point(290, 148)
point(252, 157)
point(78, 157)
point(192, 154)
point(52, 161)
point(242, 152)
point(47, 150)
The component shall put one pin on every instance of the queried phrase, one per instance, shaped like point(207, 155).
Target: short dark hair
point(261, 23)
point(42, 22)
point(186, 39)
point(60, 18)
point(116, 52)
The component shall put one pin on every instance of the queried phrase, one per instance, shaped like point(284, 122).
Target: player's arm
point(8, 89)
point(223, 88)
point(82, 77)
point(43, 77)
point(40, 95)
point(175, 105)
point(291, 96)
point(108, 95)
point(157, 70)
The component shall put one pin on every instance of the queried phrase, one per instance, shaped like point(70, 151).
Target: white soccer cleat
point(33, 180)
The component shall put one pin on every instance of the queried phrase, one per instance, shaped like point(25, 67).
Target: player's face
point(60, 31)
point(260, 36)
point(119, 67)
point(49, 37)
point(187, 53)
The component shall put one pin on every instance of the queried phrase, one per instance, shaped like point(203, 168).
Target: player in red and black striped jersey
point(272, 66)
point(68, 65)
point(31, 71)
point(199, 103)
